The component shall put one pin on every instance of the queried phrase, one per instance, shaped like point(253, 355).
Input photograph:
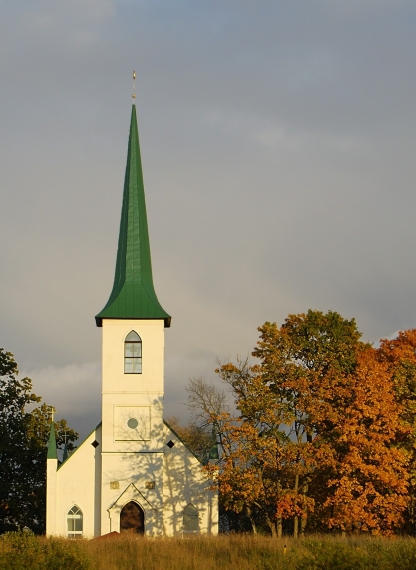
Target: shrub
point(24, 551)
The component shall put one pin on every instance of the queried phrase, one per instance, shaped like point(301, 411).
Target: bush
point(24, 551)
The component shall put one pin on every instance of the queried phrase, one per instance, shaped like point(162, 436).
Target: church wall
point(123, 391)
point(133, 476)
point(133, 464)
point(51, 467)
point(78, 483)
point(152, 335)
point(185, 483)
point(132, 458)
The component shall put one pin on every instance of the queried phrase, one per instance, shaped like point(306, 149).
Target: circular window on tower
point(132, 423)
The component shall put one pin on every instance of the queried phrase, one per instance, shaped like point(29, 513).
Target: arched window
point(190, 518)
point(74, 520)
point(133, 354)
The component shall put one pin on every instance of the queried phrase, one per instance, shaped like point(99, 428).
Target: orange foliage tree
point(317, 430)
point(302, 361)
point(259, 461)
point(367, 473)
point(400, 356)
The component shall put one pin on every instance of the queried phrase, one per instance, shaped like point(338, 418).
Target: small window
point(75, 522)
point(133, 354)
point(190, 519)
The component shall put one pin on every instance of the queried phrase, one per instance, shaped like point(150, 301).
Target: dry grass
point(234, 552)
point(209, 553)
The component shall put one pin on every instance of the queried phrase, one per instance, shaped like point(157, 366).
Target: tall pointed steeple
point(133, 295)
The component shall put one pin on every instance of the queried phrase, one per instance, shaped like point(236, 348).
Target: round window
point(132, 423)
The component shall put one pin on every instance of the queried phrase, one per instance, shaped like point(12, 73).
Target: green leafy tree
point(23, 440)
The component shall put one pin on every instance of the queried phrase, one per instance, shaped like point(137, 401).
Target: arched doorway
point(132, 518)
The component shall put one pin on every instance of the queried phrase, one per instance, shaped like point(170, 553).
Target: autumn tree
point(23, 438)
point(400, 356)
point(316, 429)
point(212, 428)
point(259, 461)
point(301, 361)
point(366, 473)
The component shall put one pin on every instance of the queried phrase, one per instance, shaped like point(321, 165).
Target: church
point(132, 473)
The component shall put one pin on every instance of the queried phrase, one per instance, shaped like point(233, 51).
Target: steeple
point(133, 295)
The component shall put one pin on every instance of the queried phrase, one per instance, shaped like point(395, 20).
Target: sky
point(278, 143)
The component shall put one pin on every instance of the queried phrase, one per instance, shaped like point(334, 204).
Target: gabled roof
point(133, 295)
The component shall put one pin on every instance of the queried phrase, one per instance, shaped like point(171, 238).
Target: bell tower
point(132, 323)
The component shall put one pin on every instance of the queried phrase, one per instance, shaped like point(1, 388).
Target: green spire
point(213, 452)
point(133, 295)
point(52, 454)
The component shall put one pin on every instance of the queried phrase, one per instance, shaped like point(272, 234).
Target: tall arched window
point(190, 518)
point(75, 520)
point(133, 354)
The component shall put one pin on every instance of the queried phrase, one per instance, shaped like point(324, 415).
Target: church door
point(132, 518)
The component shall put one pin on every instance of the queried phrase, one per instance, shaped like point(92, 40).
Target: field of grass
point(20, 551)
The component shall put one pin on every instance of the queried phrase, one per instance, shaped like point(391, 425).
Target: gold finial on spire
point(134, 85)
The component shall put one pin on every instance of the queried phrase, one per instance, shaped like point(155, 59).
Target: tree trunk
point(296, 518)
point(279, 525)
point(279, 520)
point(304, 519)
point(252, 520)
point(272, 526)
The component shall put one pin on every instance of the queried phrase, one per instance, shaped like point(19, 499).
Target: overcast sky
point(278, 142)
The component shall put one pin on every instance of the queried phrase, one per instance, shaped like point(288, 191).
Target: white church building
point(132, 473)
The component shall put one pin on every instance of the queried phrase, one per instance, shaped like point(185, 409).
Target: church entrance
point(132, 518)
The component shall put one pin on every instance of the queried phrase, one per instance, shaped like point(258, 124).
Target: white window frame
point(136, 362)
point(72, 516)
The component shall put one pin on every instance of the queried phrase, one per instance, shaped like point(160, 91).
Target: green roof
point(133, 295)
point(52, 453)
